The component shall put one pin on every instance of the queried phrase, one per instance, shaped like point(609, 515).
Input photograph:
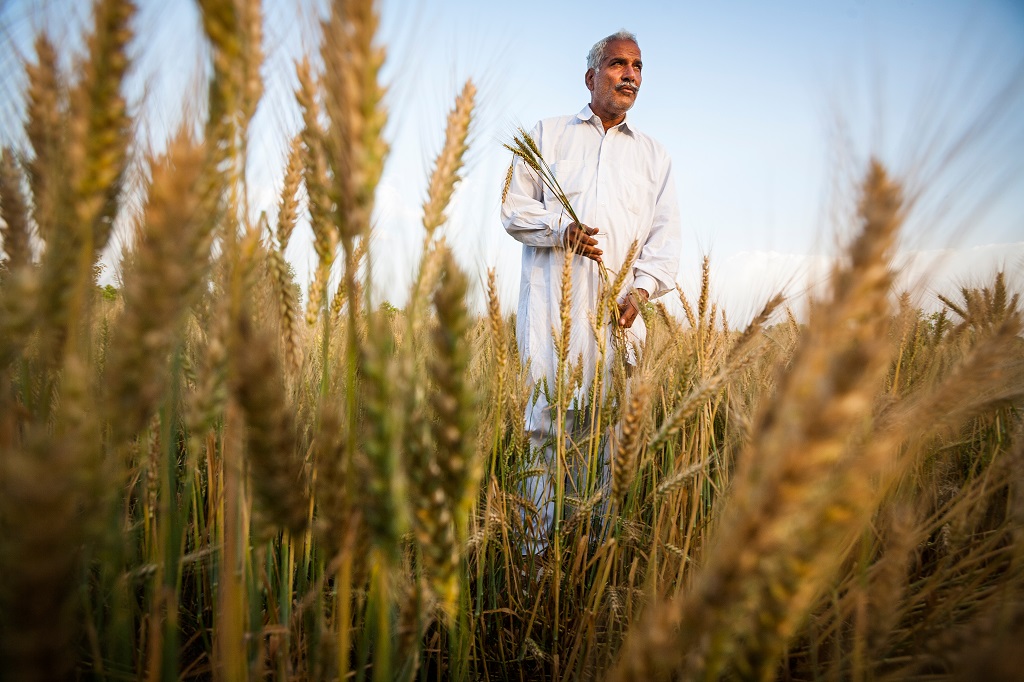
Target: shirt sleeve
point(656, 269)
point(523, 211)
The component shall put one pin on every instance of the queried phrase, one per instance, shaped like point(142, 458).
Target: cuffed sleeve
point(647, 283)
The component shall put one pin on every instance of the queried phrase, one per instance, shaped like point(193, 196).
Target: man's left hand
point(629, 308)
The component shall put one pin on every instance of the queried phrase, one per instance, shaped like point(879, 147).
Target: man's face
point(614, 85)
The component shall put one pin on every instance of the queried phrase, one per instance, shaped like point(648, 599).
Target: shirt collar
point(587, 115)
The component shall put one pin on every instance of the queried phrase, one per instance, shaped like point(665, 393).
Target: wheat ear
point(384, 499)
point(220, 23)
point(45, 101)
point(449, 161)
point(14, 211)
point(508, 180)
point(250, 21)
point(443, 180)
point(288, 206)
point(687, 309)
point(452, 402)
point(353, 100)
point(100, 126)
point(332, 477)
point(432, 519)
point(325, 233)
point(277, 467)
point(18, 280)
point(288, 304)
point(169, 261)
point(496, 326)
point(627, 451)
point(85, 196)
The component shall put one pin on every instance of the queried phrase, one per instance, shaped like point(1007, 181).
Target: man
point(620, 185)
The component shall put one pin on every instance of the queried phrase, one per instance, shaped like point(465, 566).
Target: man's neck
point(607, 119)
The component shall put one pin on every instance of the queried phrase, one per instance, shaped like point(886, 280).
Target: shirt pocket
point(571, 177)
point(636, 192)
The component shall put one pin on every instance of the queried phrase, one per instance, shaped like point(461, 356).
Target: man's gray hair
point(596, 54)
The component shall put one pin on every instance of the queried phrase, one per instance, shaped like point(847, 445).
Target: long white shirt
point(620, 182)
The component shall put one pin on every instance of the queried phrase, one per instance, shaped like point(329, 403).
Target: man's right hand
point(579, 238)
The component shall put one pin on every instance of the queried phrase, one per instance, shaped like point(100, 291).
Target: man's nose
point(629, 74)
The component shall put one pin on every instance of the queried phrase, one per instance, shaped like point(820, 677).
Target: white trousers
point(583, 473)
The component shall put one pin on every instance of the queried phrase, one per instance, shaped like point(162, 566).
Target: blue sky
point(765, 107)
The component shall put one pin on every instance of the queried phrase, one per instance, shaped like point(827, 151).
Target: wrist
point(646, 283)
point(561, 230)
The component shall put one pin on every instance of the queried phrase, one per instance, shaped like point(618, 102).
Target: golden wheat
point(830, 498)
point(168, 264)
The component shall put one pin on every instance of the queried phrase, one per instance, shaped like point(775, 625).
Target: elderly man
point(620, 185)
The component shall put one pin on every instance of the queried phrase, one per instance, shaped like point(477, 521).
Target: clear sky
point(764, 107)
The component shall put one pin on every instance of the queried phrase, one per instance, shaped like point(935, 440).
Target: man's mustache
point(626, 85)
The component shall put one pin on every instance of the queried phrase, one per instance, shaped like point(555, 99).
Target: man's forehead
point(620, 47)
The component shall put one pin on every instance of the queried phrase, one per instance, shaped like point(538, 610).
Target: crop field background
point(214, 471)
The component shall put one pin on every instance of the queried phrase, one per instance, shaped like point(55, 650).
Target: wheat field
point(216, 472)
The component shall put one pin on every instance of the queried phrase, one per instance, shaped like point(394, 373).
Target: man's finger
point(582, 234)
point(627, 313)
point(578, 240)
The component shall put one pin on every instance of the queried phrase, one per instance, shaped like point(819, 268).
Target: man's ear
point(588, 78)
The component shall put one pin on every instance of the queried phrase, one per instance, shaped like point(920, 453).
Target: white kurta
point(620, 182)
